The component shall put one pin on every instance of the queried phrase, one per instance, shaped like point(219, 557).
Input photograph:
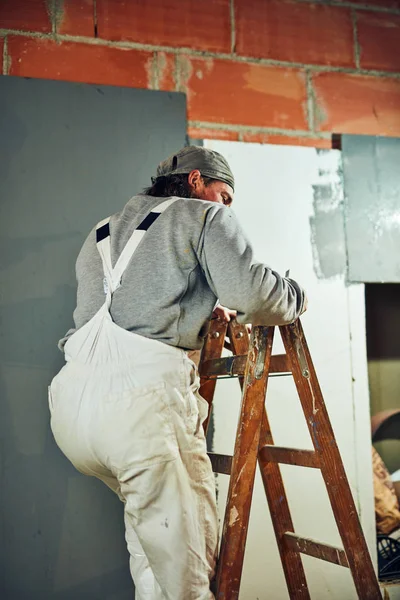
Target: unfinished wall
point(279, 71)
point(277, 219)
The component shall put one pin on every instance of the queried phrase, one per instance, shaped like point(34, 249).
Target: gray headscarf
point(208, 162)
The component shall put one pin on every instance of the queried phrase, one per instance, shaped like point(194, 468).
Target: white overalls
point(125, 409)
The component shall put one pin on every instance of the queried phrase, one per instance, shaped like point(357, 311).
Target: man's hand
point(223, 314)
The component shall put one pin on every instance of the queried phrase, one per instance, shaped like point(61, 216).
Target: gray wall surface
point(70, 155)
point(371, 168)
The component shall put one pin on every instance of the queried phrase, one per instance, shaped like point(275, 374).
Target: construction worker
point(125, 408)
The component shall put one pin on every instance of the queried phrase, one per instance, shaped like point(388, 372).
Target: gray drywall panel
point(371, 169)
point(70, 155)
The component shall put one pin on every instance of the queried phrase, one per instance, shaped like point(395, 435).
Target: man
point(125, 408)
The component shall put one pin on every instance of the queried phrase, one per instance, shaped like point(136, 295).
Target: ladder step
point(235, 365)
point(221, 463)
point(231, 365)
point(289, 456)
point(316, 549)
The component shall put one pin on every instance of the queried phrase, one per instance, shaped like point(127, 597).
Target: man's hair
point(172, 185)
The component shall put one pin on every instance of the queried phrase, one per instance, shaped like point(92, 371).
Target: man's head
point(194, 172)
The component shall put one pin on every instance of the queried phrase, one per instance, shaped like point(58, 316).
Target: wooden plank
point(241, 483)
point(213, 346)
point(275, 490)
point(239, 338)
point(281, 518)
point(289, 456)
point(331, 464)
point(236, 365)
point(221, 463)
point(229, 365)
point(279, 364)
point(316, 549)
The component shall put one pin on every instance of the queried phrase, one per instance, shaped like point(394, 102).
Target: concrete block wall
point(277, 71)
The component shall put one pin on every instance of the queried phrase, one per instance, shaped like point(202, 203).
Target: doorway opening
point(383, 353)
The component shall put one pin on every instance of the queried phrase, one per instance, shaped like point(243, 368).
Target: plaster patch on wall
point(327, 222)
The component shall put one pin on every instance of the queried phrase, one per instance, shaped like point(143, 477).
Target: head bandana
point(208, 162)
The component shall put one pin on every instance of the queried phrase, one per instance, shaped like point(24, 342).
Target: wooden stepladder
point(252, 361)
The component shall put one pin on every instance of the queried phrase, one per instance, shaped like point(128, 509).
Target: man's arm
point(259, 295)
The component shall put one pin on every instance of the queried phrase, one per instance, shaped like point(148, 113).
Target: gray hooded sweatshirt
point(195, 253)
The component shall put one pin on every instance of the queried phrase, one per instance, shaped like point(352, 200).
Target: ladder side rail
point(237, 512)
point(275, 491)
point(281, 519)
point(212, 348)
point(331, 464)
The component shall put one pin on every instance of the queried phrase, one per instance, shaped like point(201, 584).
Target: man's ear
point(194, 179)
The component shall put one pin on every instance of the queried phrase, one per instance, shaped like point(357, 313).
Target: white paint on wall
point(273, 200)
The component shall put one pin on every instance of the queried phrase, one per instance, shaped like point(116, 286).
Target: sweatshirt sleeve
point(258, 294)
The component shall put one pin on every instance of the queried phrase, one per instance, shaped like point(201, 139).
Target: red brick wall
point(283, 71)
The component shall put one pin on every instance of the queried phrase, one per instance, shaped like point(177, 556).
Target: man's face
point(216, 191)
